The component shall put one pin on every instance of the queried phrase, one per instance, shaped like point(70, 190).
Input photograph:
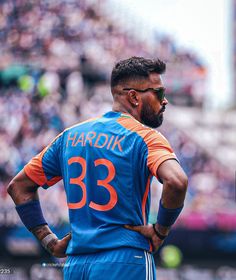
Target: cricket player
point(107, 165)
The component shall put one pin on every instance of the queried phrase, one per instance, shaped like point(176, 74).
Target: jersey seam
point(141, 144)
point(47, 183)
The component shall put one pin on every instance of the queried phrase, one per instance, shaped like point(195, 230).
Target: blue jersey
point(107, 165)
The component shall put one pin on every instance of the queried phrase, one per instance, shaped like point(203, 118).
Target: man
point(107, 165)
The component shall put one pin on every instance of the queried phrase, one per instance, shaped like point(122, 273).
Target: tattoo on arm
point(41, 231)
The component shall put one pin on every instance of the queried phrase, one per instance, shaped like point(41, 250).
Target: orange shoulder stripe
point(158, 147)
point(135, 126)
point(34, 169)
point(144, 201)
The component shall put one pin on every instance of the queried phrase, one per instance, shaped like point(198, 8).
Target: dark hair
point(135, 68)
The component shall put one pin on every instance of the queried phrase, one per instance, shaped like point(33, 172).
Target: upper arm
point(22, 180)
point(44, 169)
point(170, 171)
point(175, 184)
point(159, 151)
point(22, 188)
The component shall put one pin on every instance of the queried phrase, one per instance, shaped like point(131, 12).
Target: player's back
point(106, 178)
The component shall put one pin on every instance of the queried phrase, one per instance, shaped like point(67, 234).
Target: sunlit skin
point(152, 109)
point(144, 106)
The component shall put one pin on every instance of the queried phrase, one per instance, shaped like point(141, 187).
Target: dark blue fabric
point(167, 217)
point(31, 214)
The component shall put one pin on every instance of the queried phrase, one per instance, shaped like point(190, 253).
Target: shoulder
point(147, 134)
point(133, 125)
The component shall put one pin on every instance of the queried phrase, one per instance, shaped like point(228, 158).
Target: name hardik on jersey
point(106, 164)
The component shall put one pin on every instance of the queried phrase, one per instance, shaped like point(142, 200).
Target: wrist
point(49, 241)
point(167, 216)
point(41, 231)
point(51, 246)
point(31, 214)
point(160, 234)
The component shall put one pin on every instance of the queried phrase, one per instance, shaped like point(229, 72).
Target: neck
point(120, 108)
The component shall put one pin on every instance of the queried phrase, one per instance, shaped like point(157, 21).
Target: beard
point(150, 118)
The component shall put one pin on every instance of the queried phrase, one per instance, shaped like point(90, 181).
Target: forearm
point(22, 190)
point(24, 193)
point(28, 208)
point(173, 196)
point(44, 234)
point(41, 231)
point(20, 198)
point(171, 204)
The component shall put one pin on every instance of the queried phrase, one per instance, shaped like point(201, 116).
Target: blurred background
point(55, 64)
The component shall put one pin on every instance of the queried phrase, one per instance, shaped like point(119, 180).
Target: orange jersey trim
point(34, 169)
point(144, 201)
point(159, 150)
point(53, 181)
point(150, 247)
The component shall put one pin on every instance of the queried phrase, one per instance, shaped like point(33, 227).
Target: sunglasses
point(160, 92)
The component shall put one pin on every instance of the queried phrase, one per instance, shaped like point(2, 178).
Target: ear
point(133, 98)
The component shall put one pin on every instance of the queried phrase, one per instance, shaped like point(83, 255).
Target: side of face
point(151, 108)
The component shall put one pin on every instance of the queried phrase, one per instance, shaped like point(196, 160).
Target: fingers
point(148, 232)
point(60, 255)
point(67, 237)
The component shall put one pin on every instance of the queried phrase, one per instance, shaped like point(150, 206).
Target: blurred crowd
point(210, 201)
point(56, 58)
point(66, 36)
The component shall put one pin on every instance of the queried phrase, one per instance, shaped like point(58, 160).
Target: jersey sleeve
point(44, 169)
point(159, 150)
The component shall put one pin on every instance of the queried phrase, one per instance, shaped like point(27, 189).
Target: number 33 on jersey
point(106, 165)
